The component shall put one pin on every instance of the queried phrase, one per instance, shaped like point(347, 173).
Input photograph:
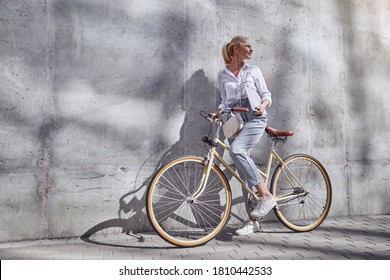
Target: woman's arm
point(260, 110)
point(261, 86)
point(222, 94)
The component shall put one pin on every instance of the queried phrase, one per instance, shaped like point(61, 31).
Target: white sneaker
point(248, 228)
point(262, 207)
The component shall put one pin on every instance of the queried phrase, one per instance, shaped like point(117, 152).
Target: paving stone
point(339, 238)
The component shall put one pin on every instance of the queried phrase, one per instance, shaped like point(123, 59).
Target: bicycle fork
point(205, 174)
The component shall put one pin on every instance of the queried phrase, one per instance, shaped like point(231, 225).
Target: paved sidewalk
point(344, 238)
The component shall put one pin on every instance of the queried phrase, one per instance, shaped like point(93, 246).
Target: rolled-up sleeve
point(261, 86)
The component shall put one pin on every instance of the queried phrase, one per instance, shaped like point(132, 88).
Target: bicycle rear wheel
point(303, 191)
point(175, 214)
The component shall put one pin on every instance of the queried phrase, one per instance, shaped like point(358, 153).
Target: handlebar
point(223, 111)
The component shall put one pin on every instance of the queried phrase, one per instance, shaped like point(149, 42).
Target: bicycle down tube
point(213, 154)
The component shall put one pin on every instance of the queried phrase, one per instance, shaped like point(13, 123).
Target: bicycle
point(189, 200)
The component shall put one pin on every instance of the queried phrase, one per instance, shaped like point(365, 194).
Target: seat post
point(273, 141)
point(276, 139)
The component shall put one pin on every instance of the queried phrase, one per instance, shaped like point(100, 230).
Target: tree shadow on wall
point(199, 95)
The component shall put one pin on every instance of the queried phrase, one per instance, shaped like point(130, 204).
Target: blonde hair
point(227, 49)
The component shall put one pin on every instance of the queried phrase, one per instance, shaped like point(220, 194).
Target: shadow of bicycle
point(114, 233)
point(124, 230)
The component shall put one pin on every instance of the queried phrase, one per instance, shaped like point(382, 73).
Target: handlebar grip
point(241, 110)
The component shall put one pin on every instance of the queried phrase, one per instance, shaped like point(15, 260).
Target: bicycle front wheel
point(303, 191)
point(178, 212)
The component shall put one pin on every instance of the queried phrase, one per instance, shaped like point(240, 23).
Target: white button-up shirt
point(249, 80)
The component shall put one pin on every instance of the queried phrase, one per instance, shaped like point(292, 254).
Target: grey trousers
point(241, 146)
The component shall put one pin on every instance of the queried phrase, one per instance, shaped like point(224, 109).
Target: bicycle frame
point(273, 155)
point(189, 217)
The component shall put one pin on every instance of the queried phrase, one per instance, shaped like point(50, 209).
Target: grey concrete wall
point(95, 95)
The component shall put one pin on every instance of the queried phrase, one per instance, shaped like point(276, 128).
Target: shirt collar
point(244, 67)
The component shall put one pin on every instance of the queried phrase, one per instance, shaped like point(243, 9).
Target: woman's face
point(244, 50)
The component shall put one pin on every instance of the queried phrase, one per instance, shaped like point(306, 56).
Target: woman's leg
point(240, 152)
point(262, 190)
point(240, 149)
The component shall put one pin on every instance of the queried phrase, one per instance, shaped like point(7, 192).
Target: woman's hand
point(215, 114)
point(260, 110)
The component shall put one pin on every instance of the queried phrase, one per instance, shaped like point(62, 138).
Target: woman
point(243, 85)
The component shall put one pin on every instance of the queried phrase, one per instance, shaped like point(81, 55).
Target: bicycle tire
point(172, 213)
point(307, 211)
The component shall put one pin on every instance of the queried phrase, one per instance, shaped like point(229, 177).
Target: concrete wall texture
point(95, 95)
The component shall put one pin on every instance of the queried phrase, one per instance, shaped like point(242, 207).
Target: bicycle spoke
point(211, 207)
point(167, 212)
point(169, 198)
point(171, 185)
point(207, 217)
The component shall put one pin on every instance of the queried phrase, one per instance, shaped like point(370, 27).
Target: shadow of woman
point(199, 94)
